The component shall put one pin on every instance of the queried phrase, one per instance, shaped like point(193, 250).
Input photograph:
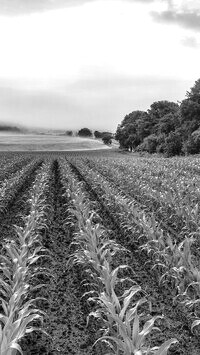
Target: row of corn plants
point(10, 187)
point(174, 262)
point(19, 267)
point(94, 251)
point(13, 165)
point(5, 159)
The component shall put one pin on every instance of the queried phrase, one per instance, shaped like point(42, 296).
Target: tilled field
point(92, 213)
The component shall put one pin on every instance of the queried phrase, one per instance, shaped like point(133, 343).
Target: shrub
point(161, 143)
point(84, 132)
point(69, 133)
point(173, 144)
point(192, 145)
point(107, 139)
point(149, 144)
point(97, 134)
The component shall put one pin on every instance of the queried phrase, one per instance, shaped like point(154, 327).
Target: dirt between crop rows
point(66, 311)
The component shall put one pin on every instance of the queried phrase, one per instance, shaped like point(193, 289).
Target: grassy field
point(36, 142)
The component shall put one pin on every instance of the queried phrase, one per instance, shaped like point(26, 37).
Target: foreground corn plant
point(18, 312)
point(17, 270)
point(118, 313)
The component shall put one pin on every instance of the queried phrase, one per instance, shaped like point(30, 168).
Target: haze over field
point(73, 63)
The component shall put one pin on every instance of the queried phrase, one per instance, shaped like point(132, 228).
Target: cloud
point(190, 42)
point(189, 19)
point(18, 7)
point(183, 13)
point(142, 1)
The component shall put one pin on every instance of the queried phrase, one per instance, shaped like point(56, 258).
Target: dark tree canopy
point(168, 123)
point(194, 93)
point(107, 139)
point(133, 129)
point(97, 134)
point(190, 109)
point(69, 133)
point(84, 132)
point(161, 108)
point(192, 145)
point(167, 127)
point(173, 144)
point(149, 144)
point(9, 128)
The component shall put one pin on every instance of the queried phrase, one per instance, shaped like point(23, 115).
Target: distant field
point(30, 142)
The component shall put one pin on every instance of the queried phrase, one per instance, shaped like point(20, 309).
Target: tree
point(106, 134)
point(9, 128)
point(97, 134)
point(69, 133)
point(149, 144)
point(121, 136)
point(168, 123)
point(173, 144)
point(190, 109)
point(161, 108)
point(160, 112)
point(161, 145)
point(107, 139)
point(141, 129)
point(192, 145)
point(84, 132)
point(194, 93)
point(132, 130)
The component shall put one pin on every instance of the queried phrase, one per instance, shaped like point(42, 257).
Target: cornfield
point(99, 254)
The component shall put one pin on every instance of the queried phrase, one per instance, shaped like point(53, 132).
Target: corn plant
point(18, 311)
point(121, 320)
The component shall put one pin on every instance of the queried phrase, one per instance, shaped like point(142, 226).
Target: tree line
point(167, 127)
point(8, 128)
point(105, 136)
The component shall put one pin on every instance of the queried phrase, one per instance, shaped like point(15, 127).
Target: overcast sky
point(74, 63)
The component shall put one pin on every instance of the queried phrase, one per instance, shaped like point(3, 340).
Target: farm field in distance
point(47, 142)
point(92, 212)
